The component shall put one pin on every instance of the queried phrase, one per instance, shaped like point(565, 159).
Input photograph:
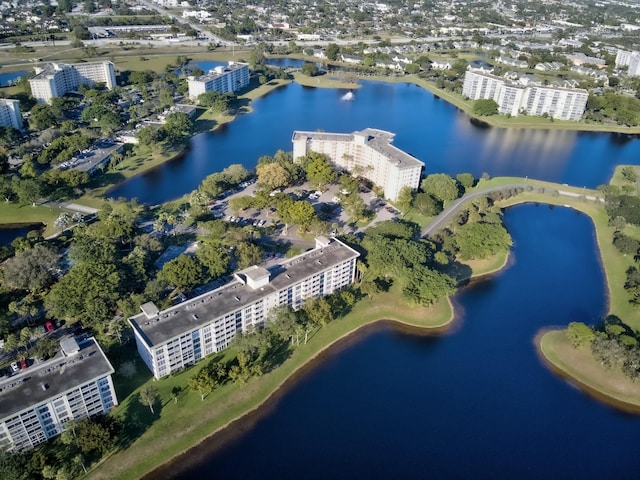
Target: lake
point(9, 232)
point(429, 128)
point(475, 403)
point(10, 78)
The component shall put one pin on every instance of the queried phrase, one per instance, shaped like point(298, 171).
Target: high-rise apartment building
point(221, 79)
point(625, 58)
point(172, 339)
point(514, 98)
point(37, 402)
point(368, 153)
point(10, 115)
point(55, 79)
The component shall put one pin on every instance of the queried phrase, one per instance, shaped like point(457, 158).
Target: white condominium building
point(368, 153)
point(629, 59)
point(172, 339)
point(221, 79)
point(37, 402)
point(514, 98)
point(10, 115)
point(55, 79)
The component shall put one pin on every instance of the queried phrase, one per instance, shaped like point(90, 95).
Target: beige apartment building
point(367, 153)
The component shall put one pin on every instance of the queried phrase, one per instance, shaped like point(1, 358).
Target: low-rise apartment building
point(37, 402)
point(514, 98)
point(55, 79)
point(368, 153)
point(172, 339)
point(10, 115)
point(221, 79)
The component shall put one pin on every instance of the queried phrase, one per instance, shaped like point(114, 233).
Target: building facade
point(55, 79)
point(629, 59)
point(368, 153)
point(36, 403)
point(221, 79)
point(10, 115)
point(172, 339)
point(514, 98)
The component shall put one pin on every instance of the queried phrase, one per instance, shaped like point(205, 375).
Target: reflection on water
point(536, 151)
point(476, 403)
point(435, 132)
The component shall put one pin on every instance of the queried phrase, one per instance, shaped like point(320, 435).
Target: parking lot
point(266, 217)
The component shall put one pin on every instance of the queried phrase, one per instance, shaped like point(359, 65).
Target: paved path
point(77, 208)
point(446, 215)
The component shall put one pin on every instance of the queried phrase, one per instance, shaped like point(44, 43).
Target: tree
point(177, 126)
point(485, 107)
point(214, 257)
point(175, 391)
point(309, 69)
point(88, 293)
point(217, 102)
point(481, 240)
point(318, 311)
point(405, 198)
point(466, 180)
point(425, 286)
point(629, 174)
point(579, 334)
point(148, 396)
point(184, 272)
point(147, 136)
point(63, 221)
point(29, 190)
point(42, 117)
point(31, 269)
point(318, 170)
point(441, 186)
point(273, 175)
point(332, 52)
point(299, 213)
point(412, 68)
point(282, 321)
point(248, 254)
point(426, 204)
point(95, 435)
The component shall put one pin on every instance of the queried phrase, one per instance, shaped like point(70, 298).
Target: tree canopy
point(441, 186)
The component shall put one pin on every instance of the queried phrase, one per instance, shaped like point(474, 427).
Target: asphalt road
point(446, 215)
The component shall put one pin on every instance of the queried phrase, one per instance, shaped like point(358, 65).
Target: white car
point(14, 367)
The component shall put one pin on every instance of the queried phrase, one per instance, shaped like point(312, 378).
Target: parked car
point(23, 364)
point(14, 367)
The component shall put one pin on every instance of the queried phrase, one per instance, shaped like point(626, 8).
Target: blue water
point(9, 233)
point(9, 77)
point(425, 126)
point(476, 403)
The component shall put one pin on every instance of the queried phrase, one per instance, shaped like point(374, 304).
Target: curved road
point(445, 216)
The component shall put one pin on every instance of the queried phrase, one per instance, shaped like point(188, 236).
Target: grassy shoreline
point(200, 420)
point(153, 452)
point(578, 366)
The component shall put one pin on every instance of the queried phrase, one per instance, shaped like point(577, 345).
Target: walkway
point(445, 216)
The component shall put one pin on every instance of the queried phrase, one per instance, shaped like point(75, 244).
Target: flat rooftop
point(220, 71)
point(378, 140)
point(58, 375)
point(236, 295)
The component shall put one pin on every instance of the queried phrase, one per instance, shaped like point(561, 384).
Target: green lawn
point(12, 213)
point(178, 426)
point(610, 386)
